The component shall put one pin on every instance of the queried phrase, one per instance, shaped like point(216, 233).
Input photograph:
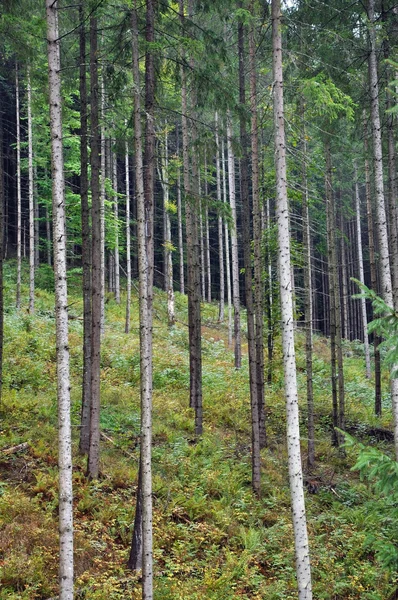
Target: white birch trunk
point(168, 255)
point(145, 333)
point(19, 213)
point(61, 310)
point(361, 273)
point(385, 275)
point(234, 246)
point(31, 204)
point(303, 567)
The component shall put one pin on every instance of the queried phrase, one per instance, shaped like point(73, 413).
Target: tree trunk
point(18, 175)
point(116, 216)
point(303, 568)
point(96, 283)
point(220, 227)
point(2, 198)
point(193, 254)
point(257, 234)
point(168, 255)
point(308, 303)
point(373, 270)
point(234, 247)
point(180, 230)
point(207, 239)
point(84, 442)
point(246, 212)
point(102, 204)
point(385, 275)
point(31, 204)
point(61, 309)
point(227, 251)
point(361, 273)
point(128, 239)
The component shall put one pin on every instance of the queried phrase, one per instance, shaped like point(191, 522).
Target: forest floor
point(213, 539)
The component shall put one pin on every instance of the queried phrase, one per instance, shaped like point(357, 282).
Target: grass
point(212, 538)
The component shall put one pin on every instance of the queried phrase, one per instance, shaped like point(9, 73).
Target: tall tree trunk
point(96, 283)
point(116, 217)
point(48, 235)
point(373, 270)
point(343, 253)
point(234, 247)
point(257, 234)
point(31, 203)
point(220, 227)
point(227, 251)
point(308, 311)
point(361, 272)
point(102, 203)
point(303, 568)
point(168, 255)
point(180, 229)
point(207, 238)
point(61, 310)
point(385, 275)
point(193, 254)
point(335, 315)
point(84, 441)
point(2, 198)
point(19, 212)
point(128, 239)
point(36, 218)
point(246, 212)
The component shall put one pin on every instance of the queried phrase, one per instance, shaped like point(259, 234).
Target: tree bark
point(116, 217)
point(128, 239)
point(361, 272)
point(84, 442)
point(61, 309)
point(102, 204)
point(31, 203)
point(227, 250)
point(19, 212)
point(220, 227)
point(234, 247)
point(303, 568)
point(96, 281)
point(180, 228)
point(2, 199)
point(168, 254)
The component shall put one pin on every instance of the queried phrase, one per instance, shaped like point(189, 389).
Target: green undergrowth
point(213, 538)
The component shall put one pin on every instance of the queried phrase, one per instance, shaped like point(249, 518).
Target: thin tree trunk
point(361, 273)
point(164, 171)
point(227, 250)
point(385, 276)
point(116, 217)
point(202, 246)
point(61, 310)
point(84, 441)
point(246, 212)
point(96, 282)
point(135, 559)
point(180, 230)
point(48, 235)
point(207, 239)
point(220, 227)
point(373, 270)
point(308, 311)
point(257, 234)
point(234, 247)
point(102, 204)
point(333, 295)
point(303, 568)
point(36, 218)
point(193, 253)
point(31, 203)
point(2, 199)
point(19, 212)
point(128, 239)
